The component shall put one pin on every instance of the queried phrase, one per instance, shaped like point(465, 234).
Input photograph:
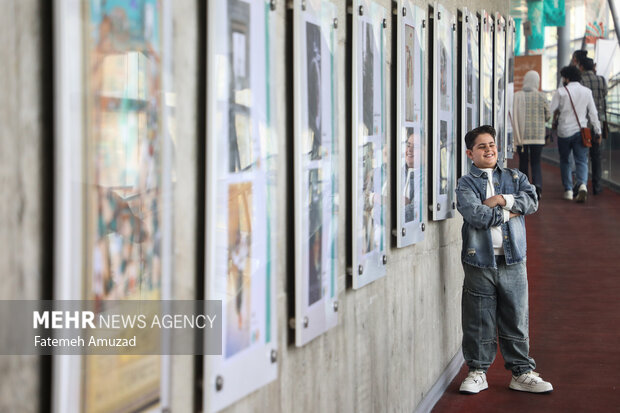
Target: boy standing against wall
point(493, 202)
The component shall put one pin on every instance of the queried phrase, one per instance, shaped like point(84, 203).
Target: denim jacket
point(479, 218)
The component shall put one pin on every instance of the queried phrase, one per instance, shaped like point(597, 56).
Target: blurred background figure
point(598, 86)
point(531, 112)
point(576, 106)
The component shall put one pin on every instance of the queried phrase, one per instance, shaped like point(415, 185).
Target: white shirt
point(496, 232)
point(584, 105)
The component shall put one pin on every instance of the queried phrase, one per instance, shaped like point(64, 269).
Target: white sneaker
point(530, 382)
point(568, 195)
point(583, 193)
point(475, 382)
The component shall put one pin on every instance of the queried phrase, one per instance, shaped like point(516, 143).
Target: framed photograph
point(369, 151)
point(316, 169)
point(470, 82)
point(510, 72)
point(241, 208)
point(411, 94)
point(443, 173)
point(113, 173)
point(500, 88)
point(487, 68)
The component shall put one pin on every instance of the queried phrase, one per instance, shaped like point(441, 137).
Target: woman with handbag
point(531, 112)
point(576, 105)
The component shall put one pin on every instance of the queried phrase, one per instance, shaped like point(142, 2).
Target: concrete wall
point(395, 336)
point(25, 168)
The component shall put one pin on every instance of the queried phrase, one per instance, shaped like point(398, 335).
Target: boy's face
point(484, 151)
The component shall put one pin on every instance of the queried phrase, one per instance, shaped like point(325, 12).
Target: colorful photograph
point(238, 284)
point(123, 159)
point(124, 143)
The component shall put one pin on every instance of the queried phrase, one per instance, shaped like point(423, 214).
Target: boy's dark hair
point(471, 136)
point(587, 64)
point(571, 73)
point(580, 55)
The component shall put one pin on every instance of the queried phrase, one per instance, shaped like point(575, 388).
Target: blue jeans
point(580, 153)
point(495, 304)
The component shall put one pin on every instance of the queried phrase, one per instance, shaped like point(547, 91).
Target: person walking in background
point(575, 104)
point(530, 113)
point(598, 86)
point(493, 202)
point(578, 55)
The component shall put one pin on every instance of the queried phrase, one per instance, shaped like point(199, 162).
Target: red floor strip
point(574, 284)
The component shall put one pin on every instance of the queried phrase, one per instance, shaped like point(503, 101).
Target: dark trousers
point(595, 159)
point(530, 155)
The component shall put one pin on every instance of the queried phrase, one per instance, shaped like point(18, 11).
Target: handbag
point(605, 129)
point(586, 135)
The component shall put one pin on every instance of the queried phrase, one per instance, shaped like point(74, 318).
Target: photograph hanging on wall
point(124, 201)
point(316, 170)
point(500, 88)
point(316, 167)
point(486, 69)
point(114, 172)
point(510, 71)
point(369, 146)
point(444, 114)
point(470, 82)
point(241, 212)
point(238, 283)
